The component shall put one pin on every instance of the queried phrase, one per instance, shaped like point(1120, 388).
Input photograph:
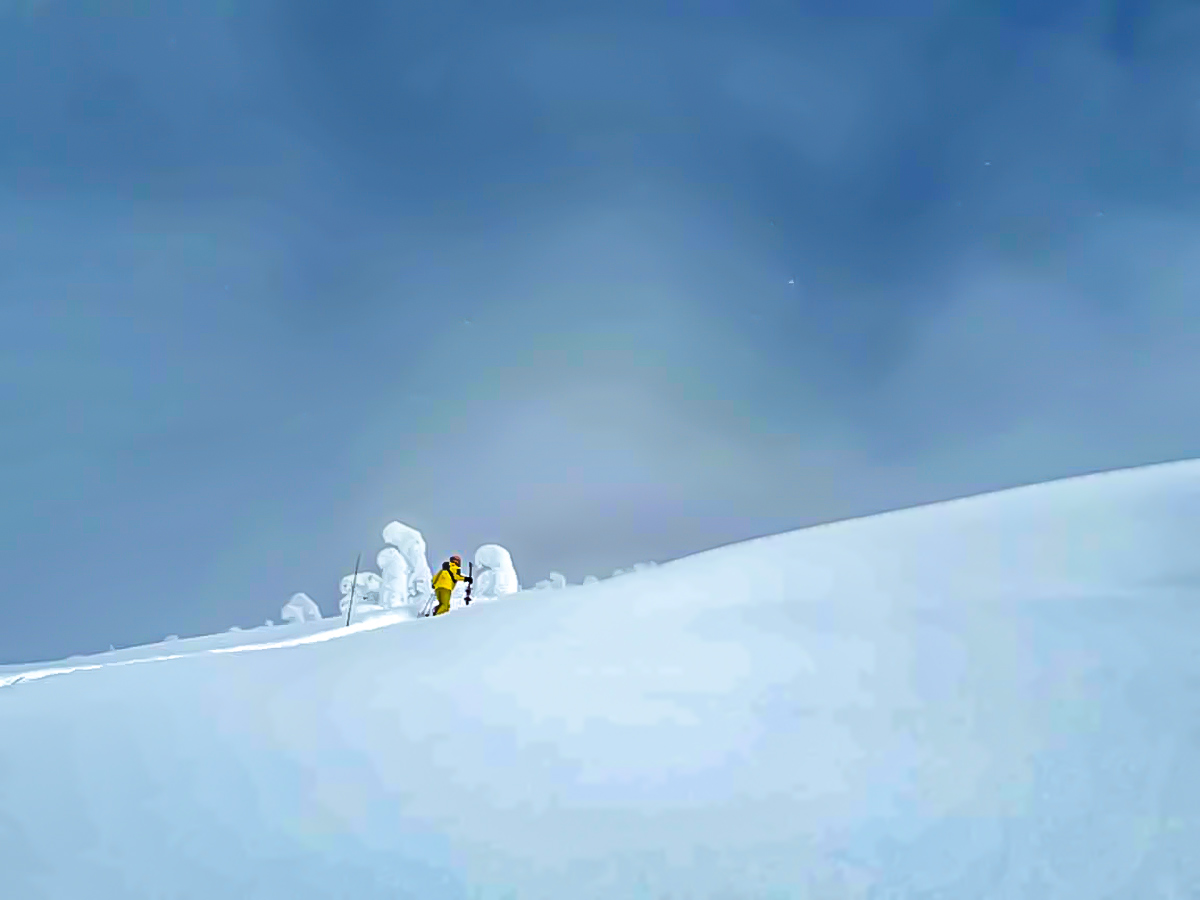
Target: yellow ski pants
point(443, 600)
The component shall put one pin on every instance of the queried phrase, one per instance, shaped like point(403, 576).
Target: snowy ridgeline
point(988, 699)
point(557, 580)
point(403, 582)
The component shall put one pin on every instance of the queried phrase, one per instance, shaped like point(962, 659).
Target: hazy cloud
point(240, 247)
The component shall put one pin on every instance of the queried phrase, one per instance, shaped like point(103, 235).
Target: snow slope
point(993, 698)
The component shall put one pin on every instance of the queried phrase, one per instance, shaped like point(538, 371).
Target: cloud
point(246, 250)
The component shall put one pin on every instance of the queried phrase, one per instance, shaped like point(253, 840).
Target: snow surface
point(991, 698)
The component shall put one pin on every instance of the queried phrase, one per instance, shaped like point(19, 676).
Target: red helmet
point(456, 559)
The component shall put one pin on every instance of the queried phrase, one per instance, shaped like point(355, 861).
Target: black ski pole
point(471, 581)
point(353, 585)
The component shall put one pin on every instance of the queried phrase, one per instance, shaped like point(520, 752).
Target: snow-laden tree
point(366, 593)
point(301, 608)
point(393, 578)
point(416, 585)
point(495, 575)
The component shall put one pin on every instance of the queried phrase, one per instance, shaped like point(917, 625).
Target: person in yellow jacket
point(444, 581)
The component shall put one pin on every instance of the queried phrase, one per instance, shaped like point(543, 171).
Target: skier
point(444, 581)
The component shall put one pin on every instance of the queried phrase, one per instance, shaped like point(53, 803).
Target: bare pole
point(353, 585)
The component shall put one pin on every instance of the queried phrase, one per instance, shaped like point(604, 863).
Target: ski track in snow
point(333, 633)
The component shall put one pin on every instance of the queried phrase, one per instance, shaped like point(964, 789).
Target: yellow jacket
point(447, 577)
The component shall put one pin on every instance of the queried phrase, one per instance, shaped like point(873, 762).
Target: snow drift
point(991, 698)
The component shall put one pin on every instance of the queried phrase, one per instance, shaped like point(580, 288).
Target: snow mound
point(495, 575)
point(301, 608)
point(635, 568)
point(555, 582)
point(991, 698)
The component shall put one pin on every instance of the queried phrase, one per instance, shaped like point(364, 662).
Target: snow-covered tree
point(418, 581)
point(495, 575)
point(393, 578)
point(301, 608)
point(366, 593)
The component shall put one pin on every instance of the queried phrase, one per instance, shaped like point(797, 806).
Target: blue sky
point(275, 273)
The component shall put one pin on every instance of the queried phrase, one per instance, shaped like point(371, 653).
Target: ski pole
point(353, 585)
